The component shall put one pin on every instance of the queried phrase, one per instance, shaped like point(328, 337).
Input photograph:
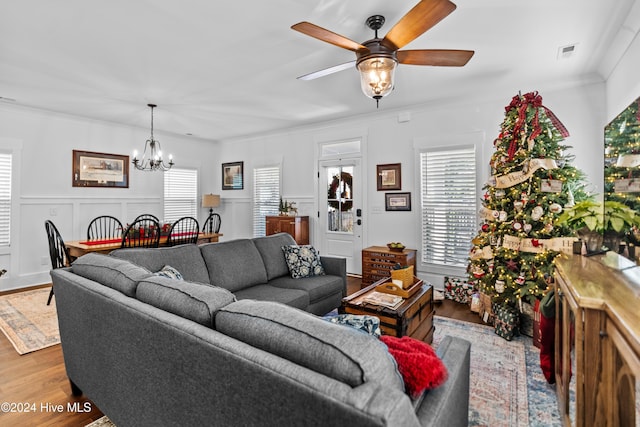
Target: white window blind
point(5, 199)
point(266, 196)
point(448, 205)
point(180, 193)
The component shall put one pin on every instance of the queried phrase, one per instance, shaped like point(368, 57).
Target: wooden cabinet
point(297, 226)
point(597, 342)
point(377, 261)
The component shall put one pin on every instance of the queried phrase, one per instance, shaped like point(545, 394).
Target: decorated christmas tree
point(532, 181)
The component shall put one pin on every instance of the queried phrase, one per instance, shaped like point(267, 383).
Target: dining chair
point(212, 224)
point(183, 231)
point(104, 227)
point(58, 252)
point(142, 233)
point(147, 216)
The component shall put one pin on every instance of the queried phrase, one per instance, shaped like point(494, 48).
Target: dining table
point(77, 248)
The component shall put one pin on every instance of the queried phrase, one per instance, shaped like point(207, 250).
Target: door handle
point(359, 222)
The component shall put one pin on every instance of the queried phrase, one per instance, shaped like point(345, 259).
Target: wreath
point(333, 196)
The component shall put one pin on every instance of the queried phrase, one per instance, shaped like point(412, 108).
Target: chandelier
point(152, 156)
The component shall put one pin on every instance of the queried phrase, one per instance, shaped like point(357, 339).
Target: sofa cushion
point(318, 287)
point(303, 261)
point(234, 265)
point(292, 297)
point(184, 258)
point(337, 351)
point(118, 274)
point(270, 248)
point(193, 301)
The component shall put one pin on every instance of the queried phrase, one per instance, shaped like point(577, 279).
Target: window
point(5, 199)
point(180, 194)
point(448, 205)
point(266, 196)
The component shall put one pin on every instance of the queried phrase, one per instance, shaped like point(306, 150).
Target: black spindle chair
point(147, 216)
point(212, 224)
point(104, 227)
point(58, 252)
point(142, 233)
point(183, 231)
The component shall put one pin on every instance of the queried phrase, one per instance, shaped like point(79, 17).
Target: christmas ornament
point(527, 227)
point(517, 205)
point(499, 194)
point(512, 265)
point(537, 213)
point(499, 285)
point(517, 225)
point(485, 227)
point(535, 243)
point(555, 208)
point(548, 228)
point(520, 280)
point(503, 216)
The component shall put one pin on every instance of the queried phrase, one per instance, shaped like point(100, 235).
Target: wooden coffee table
point(413, 317)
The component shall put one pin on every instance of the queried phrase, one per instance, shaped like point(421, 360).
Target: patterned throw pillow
point(170, 272)
point(303, 261)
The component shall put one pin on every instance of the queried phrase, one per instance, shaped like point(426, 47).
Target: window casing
point(5, 198)
point(266, 196)
point(180, 193)
point(448, 205)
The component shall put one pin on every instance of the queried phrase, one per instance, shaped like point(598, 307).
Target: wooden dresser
point(377, 261)
point(297, 226)
point(598, 317)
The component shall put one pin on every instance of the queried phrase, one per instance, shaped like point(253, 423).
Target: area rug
point(27, 321)
point(507, 387)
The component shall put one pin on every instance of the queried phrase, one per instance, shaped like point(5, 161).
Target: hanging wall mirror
point(622, 181)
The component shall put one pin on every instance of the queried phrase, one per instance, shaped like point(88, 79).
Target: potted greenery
point(595, 222)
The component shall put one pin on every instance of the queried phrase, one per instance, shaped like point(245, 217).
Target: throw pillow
point(169, 272)
point(303, 261)
point(420, 367)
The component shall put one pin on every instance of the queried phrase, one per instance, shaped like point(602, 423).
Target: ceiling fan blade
point(437, 57)
point(327, 36)
point(423, 16)
point(327, 71)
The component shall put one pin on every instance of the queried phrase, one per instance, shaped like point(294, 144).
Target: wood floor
point(37, 381)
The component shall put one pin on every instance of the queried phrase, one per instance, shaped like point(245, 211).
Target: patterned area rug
point(28, 322)
point(507, 387)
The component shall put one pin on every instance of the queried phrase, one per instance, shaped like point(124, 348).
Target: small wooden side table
point(377, 261)
point(414, 317)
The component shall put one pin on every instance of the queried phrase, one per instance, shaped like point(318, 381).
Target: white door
point(340, 210)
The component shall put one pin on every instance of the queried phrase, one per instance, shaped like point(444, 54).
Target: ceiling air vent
point(566, 52)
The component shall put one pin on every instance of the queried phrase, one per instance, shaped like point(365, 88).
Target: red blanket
point(420, 367)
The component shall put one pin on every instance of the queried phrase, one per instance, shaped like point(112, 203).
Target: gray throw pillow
point(193, 301)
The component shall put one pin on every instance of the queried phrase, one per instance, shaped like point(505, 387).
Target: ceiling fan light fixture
point(377, 76)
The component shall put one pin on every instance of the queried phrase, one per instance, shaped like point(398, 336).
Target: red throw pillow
point(420, 367)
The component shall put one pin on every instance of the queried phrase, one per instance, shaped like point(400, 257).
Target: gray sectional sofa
point(235, 343)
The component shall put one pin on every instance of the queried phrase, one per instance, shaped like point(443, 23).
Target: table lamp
point(210, 201)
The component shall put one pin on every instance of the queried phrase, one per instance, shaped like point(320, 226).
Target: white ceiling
point(220, 70)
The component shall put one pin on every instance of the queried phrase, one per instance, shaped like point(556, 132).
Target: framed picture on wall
point(389, 177)
point(90, 169)
point(397, 201)
point(233, 176)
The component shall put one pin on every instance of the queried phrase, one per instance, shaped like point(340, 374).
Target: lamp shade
point(376, 76)
point(210, 200)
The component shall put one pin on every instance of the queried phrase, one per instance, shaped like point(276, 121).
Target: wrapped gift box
point(506, 321)
point(458, 289)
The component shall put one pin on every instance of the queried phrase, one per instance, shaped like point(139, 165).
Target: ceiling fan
point(376, 59)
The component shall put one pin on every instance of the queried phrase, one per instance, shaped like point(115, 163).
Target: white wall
point(623, 85)
point(43, 187)
point(387, 140)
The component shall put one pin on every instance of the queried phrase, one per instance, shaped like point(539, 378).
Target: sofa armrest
point(336, 267)
point(449, 404)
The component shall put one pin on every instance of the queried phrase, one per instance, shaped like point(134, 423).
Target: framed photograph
point(99, 170)
point(389, 177)
point(397, 201)
point(233, 176)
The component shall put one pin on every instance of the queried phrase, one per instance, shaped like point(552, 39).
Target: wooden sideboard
point(377, 262)
point(297, 226)
point(597, 341)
